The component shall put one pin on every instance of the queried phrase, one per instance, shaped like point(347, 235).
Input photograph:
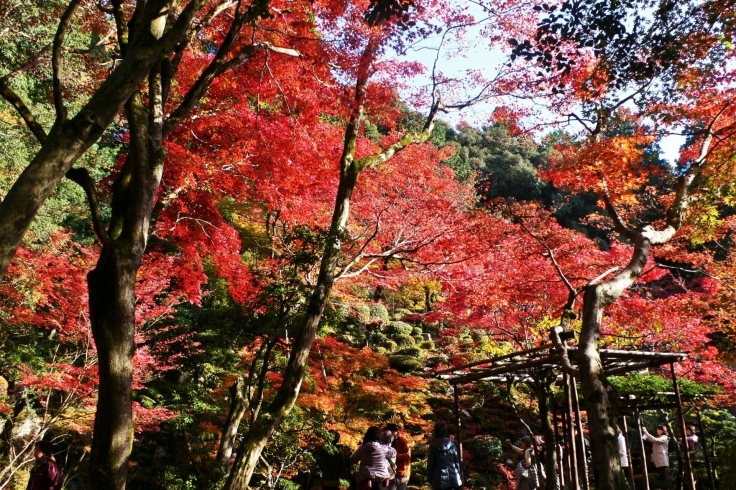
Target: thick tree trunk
point(112, 315)
point(604, 444)
point(112, 296)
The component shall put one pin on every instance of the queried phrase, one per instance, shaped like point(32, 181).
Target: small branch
point(618, 221)
point(81, 176)
point(64, 24)
point(27, 66)
point(596, 279)
point(554, 335)
point(560, 272)
point(408, 139)
point(32, 123)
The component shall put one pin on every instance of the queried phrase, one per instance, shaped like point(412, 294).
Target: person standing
point(691, 438)
point(526, 468)
point(660, 450)
point(373, 458)
point(45, 474)
point(623, 455)
point(403, 459)
point(443, 463)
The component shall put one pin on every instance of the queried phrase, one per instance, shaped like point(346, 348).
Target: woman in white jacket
point(660, 451)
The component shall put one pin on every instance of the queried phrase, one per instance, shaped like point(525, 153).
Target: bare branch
point(618, 221)
point(82, 177)
point(30, 64)
point(599, 278)
point(13, 99)
point(64, 25)
point(551, 253)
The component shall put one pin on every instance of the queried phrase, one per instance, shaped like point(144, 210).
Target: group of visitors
point(660, 449)
point(385, 460)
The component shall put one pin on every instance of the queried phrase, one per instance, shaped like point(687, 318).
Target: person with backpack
point(373, 458)
point(526, 468)
point(45, 474)
point(443, 463)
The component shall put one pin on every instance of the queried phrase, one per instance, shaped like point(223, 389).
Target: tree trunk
point(604, 444)
point(112, 315)
point(238, 406)
point(112, 297)
point(270, 418)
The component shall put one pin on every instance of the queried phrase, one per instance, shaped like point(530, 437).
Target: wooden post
point(558, 449)
point(688, 463)
point(628, 453)
point(565, 450)
point(706, 455)
point(644, 468)
point(571, 435)
point(459, 425)
point(581, 437)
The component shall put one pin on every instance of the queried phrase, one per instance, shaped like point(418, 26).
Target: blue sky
point(475, 54)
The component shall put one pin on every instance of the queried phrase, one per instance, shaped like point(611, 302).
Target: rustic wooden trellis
point(526, 366)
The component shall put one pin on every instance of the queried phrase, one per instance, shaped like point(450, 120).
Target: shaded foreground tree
point(152, 41)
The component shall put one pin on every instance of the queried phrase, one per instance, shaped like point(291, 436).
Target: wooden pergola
point(545, 362)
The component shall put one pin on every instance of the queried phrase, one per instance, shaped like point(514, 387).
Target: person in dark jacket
point(45, 474)
point(373, 458)
point(443, 464)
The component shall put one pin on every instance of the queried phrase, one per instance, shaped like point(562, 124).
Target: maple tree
point(609, 54)
point(244, 200)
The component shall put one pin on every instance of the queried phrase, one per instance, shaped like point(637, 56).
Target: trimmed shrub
point(418, 472)
point(389, 345)
point(401, 313)
point(417, 331)
point(485, 448)
point(404, 341)
point(429, 345)
point(413, 352)
point(379, 312)
point(398, 328)
point(404, 364)
point(437, 360)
